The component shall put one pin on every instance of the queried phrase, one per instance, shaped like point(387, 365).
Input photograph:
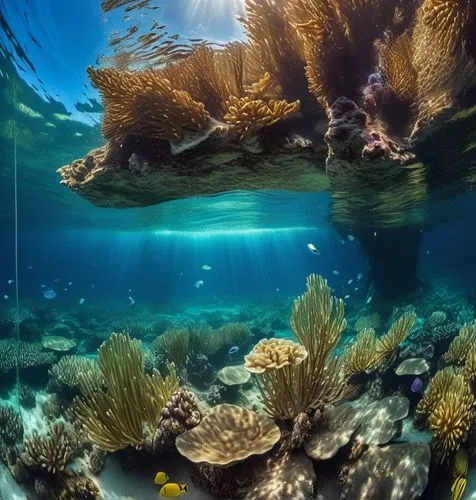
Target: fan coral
point(129, 407)
point(50, 452)
point(368, 353)
point(390, 342)
point(274, 354)
point(227, 435)
point(360, 357)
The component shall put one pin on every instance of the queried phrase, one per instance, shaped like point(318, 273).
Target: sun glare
point(208, 11)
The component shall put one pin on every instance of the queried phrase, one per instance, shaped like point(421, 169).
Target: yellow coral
point(129, 407)
point(361, 356)
point(448, 406)
point(389, 343)
point(461, 345)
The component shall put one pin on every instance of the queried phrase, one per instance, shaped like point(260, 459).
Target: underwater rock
point(283, 478)
point(436, 318)
point(379, 420)
point(393, 472)
point(412, 366)
point(200, 371)
point(104, 176)
point(332, 431)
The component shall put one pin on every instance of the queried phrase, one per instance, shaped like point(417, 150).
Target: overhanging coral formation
point(252, 115)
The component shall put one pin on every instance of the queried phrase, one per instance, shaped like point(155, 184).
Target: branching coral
point(448, 405)
point(247, 115)
point(50, 452)
point(68, 370)
point(129, 408)
point(461, 345)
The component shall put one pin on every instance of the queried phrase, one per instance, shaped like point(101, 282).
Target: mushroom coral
point(227, 435)
point(128, 408)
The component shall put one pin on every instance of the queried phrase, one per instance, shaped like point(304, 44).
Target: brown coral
point(144, 103)
point(180, 414)
point(293, 389)
point(273, 354)
point(227, 435)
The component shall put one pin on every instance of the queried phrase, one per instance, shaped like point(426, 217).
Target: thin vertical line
point(17, 299)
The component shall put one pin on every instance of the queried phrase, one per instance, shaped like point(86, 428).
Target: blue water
point(139, 269)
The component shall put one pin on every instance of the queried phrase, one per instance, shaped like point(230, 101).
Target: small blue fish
point(49, 294)
point(233, 350)
point(417, 385)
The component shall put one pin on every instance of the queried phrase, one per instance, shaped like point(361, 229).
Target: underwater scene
point(237, 249)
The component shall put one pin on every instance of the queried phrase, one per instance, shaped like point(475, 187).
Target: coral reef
point(11, 425)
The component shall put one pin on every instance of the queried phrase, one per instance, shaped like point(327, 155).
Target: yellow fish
point(457, 490)
point(460, 463)
point(173, 490)
point(161, 478)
